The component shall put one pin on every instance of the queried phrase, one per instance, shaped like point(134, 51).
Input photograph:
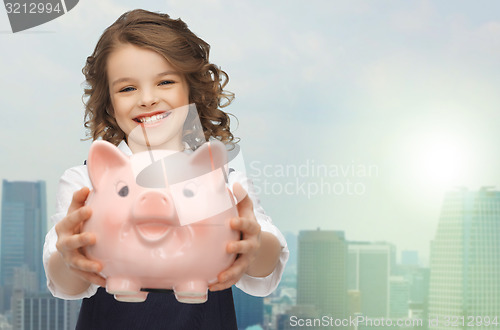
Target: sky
point(353, 115)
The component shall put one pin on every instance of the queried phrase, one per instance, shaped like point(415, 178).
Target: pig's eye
point(122, 189)
point(190, 189)
point(123, 192)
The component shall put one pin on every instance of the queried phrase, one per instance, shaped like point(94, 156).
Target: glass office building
point(464, 289)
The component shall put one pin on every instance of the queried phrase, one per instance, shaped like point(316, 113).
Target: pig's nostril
point(150, 198)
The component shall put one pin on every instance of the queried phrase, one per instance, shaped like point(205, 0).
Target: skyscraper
point(42, 311)
point(369, 270)
point(249, 309)
point(321, 275)
point(465, 259)
point(23, 226)
point(399, 297)
point(33, 310)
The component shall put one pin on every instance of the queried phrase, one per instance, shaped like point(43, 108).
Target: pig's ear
point(104, 157)
point(212, 154)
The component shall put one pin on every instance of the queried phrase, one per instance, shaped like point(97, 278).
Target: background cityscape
point(328, 279)
point(356, 117)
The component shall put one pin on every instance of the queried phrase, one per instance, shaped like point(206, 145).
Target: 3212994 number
point(32, 8)
point(470, 321)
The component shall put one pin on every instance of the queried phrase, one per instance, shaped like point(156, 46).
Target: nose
point(148, 99)
point(153, 205)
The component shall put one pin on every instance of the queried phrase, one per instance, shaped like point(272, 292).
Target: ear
point(211, 155)
point(104, 157)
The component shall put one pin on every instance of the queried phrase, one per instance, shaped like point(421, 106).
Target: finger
point(72, 220)
point(237, 270)
point(239, 192)
point(221, 286)
point(248, 226)
point(79, 198)
point(242, 247)
point(218, 287)
point(232, 280)
point(245, 208)
point(80, 262)
point(75, 242)
point(230, 276)
point(224, 285)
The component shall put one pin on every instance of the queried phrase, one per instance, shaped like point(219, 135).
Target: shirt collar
point(123, 147)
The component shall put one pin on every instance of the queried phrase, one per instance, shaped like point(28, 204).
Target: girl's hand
point(70, 240)
point(247, 248)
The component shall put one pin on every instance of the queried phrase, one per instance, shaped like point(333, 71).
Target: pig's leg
point(191, 292)
point(138, 297)
point(122, 286)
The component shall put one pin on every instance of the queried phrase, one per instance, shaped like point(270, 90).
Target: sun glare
point(442, 160)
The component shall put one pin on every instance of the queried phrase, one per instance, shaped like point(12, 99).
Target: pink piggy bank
point(160, 224)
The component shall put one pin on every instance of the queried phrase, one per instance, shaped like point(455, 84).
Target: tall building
point(369, 270)
point(322, 272)
point(42, 311)
point(249, 309)
point(31, 309)
point(418, 292)
point(465, 259)
point(23, 227)
point(399, 298)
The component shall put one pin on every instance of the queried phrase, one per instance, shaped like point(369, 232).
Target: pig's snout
point(153, 205)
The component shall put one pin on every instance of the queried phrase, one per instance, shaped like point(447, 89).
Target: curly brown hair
point(186, 52)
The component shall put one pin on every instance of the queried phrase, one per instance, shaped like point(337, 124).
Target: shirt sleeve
point(72, 180)
point(261, 286)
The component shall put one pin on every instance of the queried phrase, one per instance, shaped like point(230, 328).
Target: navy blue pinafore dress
point(159, 311)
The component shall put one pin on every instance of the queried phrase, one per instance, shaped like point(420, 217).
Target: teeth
point(153, 118)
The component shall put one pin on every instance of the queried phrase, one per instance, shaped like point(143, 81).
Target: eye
point(127, 89)
point(122, 189)
point(166, 82)
point(123, 192)
point(190, 189)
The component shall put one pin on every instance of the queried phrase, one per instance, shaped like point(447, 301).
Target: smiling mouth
point(152, 119)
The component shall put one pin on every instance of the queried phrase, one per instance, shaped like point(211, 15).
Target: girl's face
point(148, 97)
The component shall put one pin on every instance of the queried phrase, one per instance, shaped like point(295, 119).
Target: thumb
point(239, 192)
point(245, 205)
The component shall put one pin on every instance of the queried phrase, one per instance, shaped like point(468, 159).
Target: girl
point(144, 67)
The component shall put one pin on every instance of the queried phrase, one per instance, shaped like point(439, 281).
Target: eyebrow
point(161, 74)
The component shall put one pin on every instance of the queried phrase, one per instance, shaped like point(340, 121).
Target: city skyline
point(423, 258)
point(374, 282)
